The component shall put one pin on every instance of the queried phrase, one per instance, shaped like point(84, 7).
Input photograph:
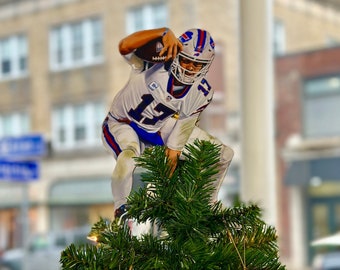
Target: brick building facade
point(308, 160)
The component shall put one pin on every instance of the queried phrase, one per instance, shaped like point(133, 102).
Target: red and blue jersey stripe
point(110, 139)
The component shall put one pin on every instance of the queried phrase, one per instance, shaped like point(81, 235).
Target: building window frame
point(77, 126)
point(76, 44)
point(14, 124)
point(279, 37)
point(320, 98)
point(13, 57)
point(147, 16)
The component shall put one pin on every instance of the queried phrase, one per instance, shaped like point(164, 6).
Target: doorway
point(323, 214)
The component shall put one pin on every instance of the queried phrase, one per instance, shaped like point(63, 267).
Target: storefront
point(318, 184)
point(79, 201)
point(63, 204)
point(10, 214)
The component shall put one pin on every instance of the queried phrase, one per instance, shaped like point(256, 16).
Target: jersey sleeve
point(137, 64)
point(134, 61)
point(181, 132)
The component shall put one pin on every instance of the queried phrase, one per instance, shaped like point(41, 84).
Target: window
point(321, 97)
point(147, 17)
point(76, 44)
point(14, 124)
point(59, 49)
point(13, 57)
point(68, 217)
point(61, 124)
point(6, 57)
point(22, 54)
point(97, 33)
point(80, 123)
point(77, 126)
point(279, 38)
point(332, 41)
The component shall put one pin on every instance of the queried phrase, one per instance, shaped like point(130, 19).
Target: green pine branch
point(192, 232)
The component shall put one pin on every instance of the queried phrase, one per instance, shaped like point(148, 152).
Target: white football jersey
point(150, 98)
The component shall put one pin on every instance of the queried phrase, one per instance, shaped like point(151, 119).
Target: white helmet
point(198, 46)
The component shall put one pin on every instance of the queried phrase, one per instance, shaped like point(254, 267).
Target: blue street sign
point(23, 147)
point(19, 170)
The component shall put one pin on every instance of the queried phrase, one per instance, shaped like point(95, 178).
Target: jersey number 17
point(147, 99)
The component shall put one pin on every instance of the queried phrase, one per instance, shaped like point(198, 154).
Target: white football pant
point(124, 144)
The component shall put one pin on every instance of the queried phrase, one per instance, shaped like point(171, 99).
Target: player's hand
point(172, 46)
point(172, 156)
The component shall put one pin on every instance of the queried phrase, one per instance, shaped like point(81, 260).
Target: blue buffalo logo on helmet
point(185, 37)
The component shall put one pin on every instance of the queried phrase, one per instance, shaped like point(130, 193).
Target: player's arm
point(172, 156)
point(178, 138)
point(171, 44)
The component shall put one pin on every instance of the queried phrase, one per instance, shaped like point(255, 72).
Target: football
point(150, 51)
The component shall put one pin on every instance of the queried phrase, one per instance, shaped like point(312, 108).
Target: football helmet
point(199, 48)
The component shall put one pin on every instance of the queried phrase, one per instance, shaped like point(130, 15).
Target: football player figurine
point(160, 104)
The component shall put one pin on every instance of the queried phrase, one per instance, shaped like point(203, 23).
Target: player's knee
point(124, 166)
point(128, 154)
point(132, 146)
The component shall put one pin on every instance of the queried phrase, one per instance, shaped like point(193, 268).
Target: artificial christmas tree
point(192, 233)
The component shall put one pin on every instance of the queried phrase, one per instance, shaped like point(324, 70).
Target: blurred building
point(308, 139)
point(60, 68)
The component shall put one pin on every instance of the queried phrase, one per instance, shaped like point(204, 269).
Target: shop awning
point(301, 171)
point(11, 194)
point(81, 191)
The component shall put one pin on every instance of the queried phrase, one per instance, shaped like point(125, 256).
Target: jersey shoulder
point(199, 97)
point(204, 87)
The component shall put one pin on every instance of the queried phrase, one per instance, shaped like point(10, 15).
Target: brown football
point(150, 51)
